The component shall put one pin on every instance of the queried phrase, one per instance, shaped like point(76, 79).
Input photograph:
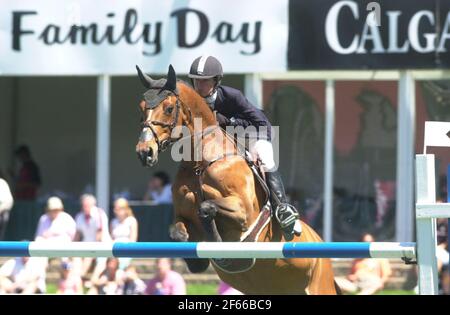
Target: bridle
point(163, 144)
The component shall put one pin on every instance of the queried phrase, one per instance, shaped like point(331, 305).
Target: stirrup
point(286, 214)
point(289, 220)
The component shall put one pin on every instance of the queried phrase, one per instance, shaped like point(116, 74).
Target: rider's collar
point(211, 99)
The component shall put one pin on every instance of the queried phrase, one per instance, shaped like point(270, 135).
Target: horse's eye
point(168, 110)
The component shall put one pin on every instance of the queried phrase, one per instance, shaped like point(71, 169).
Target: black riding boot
point(285, 213)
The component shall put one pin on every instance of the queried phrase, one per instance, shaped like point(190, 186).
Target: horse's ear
point(171, 83)
point(145, 79)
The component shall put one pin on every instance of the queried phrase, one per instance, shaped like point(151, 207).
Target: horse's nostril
point(145, 156)
point(142, 156)
point(149, 155)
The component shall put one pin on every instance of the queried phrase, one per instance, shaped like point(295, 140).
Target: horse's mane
point(198, 99)
point(203, 108)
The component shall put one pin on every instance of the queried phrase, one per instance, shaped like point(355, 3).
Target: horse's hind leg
point(322, 280)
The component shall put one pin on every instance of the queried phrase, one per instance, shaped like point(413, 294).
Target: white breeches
point(263, 150)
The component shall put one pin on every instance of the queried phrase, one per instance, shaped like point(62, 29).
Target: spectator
point(110, 280)
point(226, 289)
point(23, 275)
point(55, 225)
point(159, 189)
point(6, 203)
point(124, 227)
point(91, 226)
point(166, 281)
point(132, 285)
point(368, 275)
point(70, 282)
point(28, 179)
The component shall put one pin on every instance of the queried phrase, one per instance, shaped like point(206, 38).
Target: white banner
point(89, 37)
point(437, 134)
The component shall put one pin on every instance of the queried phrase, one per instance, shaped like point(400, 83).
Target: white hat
point(54, 203)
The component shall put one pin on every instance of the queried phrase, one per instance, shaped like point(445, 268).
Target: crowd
point(104, 276)
point(118, 275)
point(91, 224)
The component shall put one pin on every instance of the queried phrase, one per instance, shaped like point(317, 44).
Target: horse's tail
point(337, 288)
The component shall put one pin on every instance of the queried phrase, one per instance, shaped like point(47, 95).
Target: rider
point(233, 109)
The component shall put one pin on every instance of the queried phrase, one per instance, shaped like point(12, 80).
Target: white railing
point(427, 210)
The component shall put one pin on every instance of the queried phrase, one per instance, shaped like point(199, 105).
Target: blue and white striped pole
point(210, 250)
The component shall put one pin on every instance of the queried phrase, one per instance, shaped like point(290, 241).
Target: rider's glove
point(223, 121)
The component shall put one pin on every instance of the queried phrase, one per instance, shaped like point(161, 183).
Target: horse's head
point(161, 113)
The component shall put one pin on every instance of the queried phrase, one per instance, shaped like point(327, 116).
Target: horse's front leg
point(179, 233)
point(207, 213)
point(230, 211)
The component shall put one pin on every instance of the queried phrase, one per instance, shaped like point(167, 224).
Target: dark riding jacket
point(234, 109)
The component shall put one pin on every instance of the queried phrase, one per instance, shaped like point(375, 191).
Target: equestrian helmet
point(206, 67)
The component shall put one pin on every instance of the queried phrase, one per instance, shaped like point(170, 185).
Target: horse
point(217, 197)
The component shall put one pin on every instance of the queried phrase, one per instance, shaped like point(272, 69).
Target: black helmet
point(206, 67)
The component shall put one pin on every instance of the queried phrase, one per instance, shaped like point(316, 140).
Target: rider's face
point(204, 87)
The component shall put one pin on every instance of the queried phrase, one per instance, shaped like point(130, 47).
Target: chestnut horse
point(217, 198)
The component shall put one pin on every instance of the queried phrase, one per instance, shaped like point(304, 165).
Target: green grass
point(396, 292)
point(192, 289)
point(211, 289)
point(51, 288)
point(202, 289)
point(391, 292)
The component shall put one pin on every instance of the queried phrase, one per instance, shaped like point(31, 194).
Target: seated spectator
point(70, 282)
point(159, 189)
point(110, 280)
point(368, 275)
point(25, 275)
point(124, 227)
point(226, 289)
point(91, 226)
point(166, 281)
point(55, 225)
point(6, 203)
point(132, 285)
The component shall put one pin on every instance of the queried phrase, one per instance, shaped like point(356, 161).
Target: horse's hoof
point(207, 210)
point(178, 235)
point(196, 265)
